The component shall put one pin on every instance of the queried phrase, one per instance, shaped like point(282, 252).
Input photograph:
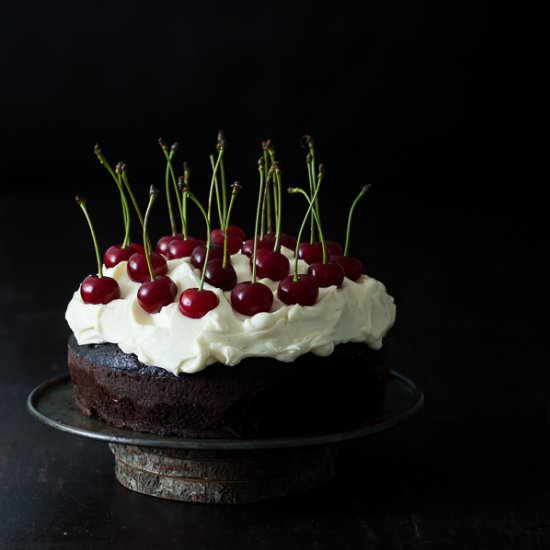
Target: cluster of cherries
point(328, 262)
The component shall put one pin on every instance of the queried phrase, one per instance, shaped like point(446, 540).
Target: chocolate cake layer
point(259, 397)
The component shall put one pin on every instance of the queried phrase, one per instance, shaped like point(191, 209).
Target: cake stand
point(220, 470)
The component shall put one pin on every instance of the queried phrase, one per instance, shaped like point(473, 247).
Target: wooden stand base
point(228, 477)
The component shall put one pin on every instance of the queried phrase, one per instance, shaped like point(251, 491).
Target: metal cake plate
point(220, 470)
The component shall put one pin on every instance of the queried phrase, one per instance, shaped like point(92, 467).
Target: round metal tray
point(221, 470)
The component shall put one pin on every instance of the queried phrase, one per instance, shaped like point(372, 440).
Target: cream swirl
point(359, 311)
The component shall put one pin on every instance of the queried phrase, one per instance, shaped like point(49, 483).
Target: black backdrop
point(440, 106)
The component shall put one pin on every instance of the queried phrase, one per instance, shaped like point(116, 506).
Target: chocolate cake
point(259, 397)
point(224, 337)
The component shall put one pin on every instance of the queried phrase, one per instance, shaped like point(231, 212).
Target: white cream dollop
point(359, 311)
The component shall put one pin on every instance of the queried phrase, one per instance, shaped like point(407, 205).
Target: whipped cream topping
point(359, 311)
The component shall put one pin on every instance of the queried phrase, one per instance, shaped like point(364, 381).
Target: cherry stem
point(186, 191)
point(123, 202)
point(123, 171)
point(364, 190)
point(168, 193)
point(186, 176)
point(217, 189)
point(170, 169)
point(257, 223)
point(276, 203)
point(293, 190)
point(214, 184)
point(221, 146)
point(82, 203)
point(267, 185)
point(268, 180)
point(236, 187)
point(146, 246)
point(278, 194)
point(311, 177)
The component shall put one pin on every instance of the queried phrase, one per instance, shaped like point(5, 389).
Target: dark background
point(441, 107)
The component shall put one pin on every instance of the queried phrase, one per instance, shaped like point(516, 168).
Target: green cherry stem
point(216, 189)
point(214, 184)
point(268, 215)
point(364, 190)
point(257, 223)
point(146, 245)
point(235, 188)
point(278, 194)
point(167, 191)
point(221, 145)
point(311, 178)
point(268, 181)
point(186, 176)
point(82, 203)
point(123, 202)
point(312, 205)
point(123, 171)
point(169, 155)
point(185, 190)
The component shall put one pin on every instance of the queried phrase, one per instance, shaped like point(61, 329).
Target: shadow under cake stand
point(220, 470)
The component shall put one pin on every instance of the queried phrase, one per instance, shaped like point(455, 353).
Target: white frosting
point(359, 311)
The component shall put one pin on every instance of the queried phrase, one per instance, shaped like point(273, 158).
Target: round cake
point(227, 337)
point(295, 368)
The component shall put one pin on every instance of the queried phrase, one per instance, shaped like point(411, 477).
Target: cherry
point(164, 243)
point(116, 253)
point(310, 252)
point(271, 265)
point(99, 290)
point(154, 295)
point(96, 289)
point(219, 276)
point(137, 266)
point(197, 303)
point(234, 243)
point(248, 246)
point(333, 248)
point(182, 248)
point(288, 241)
point(199, 254)
point(303, 291)
point(326, 274)
point(250, 298)
point(353, 268)
point(231, 230)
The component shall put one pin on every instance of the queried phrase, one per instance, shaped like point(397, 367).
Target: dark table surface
point(470, 471)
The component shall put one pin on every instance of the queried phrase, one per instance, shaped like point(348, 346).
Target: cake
point(288, 368)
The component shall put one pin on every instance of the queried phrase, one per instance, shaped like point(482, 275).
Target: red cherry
point(231, 230)
point(288, 241)
point(333, 248)
point(271, 265)
point(138, 270)
point(250, 298)
point(116, 254)
point(154, 295)
point(234, 243)
point(164, 243)
point(182, 248)
point(248, 246)
point(199, 254)
point(197, 303)
point(326, 274)
point(219, 276)
point(304, 291)
point(99, 290)
point(353, 268)
point(310, 252)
